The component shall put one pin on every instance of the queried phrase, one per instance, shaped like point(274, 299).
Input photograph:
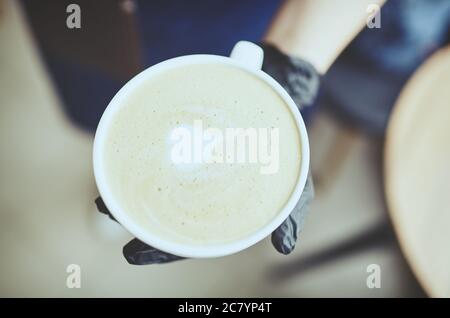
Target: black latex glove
point(301, 81)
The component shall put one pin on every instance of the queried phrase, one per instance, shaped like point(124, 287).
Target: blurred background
point(55, 83)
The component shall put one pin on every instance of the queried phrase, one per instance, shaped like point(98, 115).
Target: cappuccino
point(205, 200)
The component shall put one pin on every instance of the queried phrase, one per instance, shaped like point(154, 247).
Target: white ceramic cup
point(246, 56)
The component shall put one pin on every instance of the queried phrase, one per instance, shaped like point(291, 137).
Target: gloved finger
point(137, 252)
point(297, 76)
point(285, 236)
point(101, 207)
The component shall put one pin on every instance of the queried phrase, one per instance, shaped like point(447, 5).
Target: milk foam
point(199, 203)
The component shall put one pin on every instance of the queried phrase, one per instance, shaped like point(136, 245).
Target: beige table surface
point(417, 171)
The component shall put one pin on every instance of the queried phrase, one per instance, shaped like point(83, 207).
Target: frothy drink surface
point(199, 203)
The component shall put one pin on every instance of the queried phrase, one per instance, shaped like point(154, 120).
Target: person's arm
point(318, 30)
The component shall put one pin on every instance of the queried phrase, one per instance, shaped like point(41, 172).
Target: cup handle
point(249, 54)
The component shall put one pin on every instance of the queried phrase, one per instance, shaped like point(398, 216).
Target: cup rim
point(181, 249)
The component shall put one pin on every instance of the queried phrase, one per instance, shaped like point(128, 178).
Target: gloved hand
point(301, 81)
